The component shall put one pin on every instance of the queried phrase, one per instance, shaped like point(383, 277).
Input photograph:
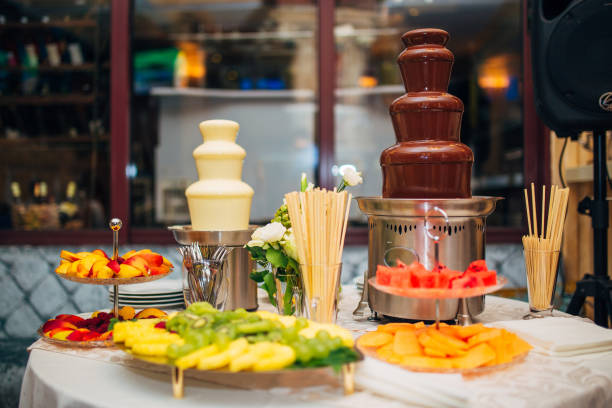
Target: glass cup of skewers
point(541, 265)
point(321, 284)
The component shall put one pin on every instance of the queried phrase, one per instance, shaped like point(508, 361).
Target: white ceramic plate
point(166, 286)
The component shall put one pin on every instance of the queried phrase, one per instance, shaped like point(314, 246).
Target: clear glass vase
point(289, 295)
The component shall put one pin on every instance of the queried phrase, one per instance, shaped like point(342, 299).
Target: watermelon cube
point(383, 275)
point(468, 281)
point(477, 266)
point(489, 278)
point(451, 275)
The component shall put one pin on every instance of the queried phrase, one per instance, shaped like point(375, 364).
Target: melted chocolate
point(429, 160)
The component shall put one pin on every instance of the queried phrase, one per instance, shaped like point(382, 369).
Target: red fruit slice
point(468, 281)
point(477, 266)
point(158, 270)
point(57, 324)
point(161, 325)
point(69, 318)
point(105, 336)
point(114, 265)
point(88, 336)
point(152, 259)
point(451, 275)
point(77, 335)
point(442, 281)
point(383, 275)
point(489, 278)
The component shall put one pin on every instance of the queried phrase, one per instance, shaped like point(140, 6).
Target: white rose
point(255, 243)
point(273, 232)
point(352, 177)
point(288, 244)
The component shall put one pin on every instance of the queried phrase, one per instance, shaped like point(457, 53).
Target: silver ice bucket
point(235, 267)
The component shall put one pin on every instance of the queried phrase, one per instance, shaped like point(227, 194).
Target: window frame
point(536, 160)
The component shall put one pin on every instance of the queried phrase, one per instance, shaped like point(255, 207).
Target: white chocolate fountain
point(220, 200)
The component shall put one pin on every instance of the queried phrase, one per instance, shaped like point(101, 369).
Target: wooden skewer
point(527, 211)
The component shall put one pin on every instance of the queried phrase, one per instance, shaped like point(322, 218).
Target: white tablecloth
point(103, 379)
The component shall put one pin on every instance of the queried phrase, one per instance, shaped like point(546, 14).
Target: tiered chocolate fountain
point(427, 210)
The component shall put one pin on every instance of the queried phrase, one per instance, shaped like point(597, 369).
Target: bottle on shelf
point(18, 209)
point(69, 208)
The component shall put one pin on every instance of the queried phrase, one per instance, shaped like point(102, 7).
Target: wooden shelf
point(83, 23)
point(51, 139)
point(582, 174)
point(270, 94)
point(38, 100)
point(57, 68)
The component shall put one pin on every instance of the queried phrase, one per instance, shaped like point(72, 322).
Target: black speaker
point(571, 45)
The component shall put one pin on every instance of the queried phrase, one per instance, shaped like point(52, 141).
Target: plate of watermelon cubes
point(416, 281)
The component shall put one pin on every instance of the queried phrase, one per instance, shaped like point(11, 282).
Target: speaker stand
point(597, 284)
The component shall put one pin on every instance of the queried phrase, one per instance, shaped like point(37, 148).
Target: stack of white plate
point(161, 294)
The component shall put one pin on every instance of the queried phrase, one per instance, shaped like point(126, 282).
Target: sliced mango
point(375, 339)
point(406, 343)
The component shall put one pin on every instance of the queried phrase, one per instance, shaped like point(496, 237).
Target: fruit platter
point(96, 267)
point(93, 331)
point(416, 281)
point(468, 350)
point(240, 347)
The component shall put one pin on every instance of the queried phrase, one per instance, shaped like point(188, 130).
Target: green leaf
point(277, 258)
point(270, 287)
point(336, 359)
point(258, 276)
point(288, 298)
point(292, 264)
point(303, 183)
point(257, 253)
point(111, 323)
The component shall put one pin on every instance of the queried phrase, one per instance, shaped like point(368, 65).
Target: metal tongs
point(206, 277)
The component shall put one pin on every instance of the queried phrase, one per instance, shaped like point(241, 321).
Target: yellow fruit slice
point(151, 349)
point(468, 331)
point(431, 352)
point(406, 343)
point(483, 336)
point(244, 361)
point(192, 359)
point(374, 339)
point(223, 358)
point(475, 357)
point(448, 340)
point(63, 268)
point(392, 328)
point(283, 356)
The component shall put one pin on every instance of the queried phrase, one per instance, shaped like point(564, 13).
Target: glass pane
point(54, 118)
point(248, 61)
point(486, 40)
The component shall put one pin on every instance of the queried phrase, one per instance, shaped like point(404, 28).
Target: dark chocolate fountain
point(429, 160)
point(427, 212)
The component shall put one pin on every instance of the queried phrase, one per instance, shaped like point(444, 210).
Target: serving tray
point(290, 378)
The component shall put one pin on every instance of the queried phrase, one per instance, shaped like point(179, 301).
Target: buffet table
point(57, 377)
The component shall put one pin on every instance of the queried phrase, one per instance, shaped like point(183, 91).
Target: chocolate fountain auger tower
point(426, 210)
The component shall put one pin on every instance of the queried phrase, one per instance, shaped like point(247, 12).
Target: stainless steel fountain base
point(398, 229)
point(419, 309)
point(242, 291)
